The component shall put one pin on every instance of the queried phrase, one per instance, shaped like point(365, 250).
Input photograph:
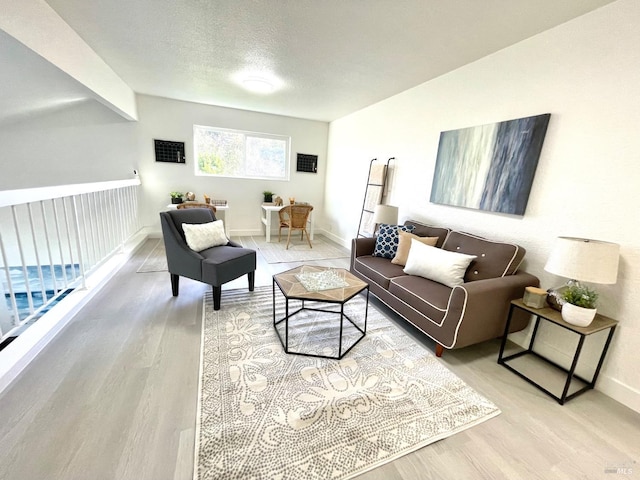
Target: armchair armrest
point(181, 260)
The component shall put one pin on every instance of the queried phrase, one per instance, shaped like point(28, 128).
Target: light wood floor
point(114, 397)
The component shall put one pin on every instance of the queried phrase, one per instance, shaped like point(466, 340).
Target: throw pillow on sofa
point(404, 245)
point(436, 264)
point(200, 236)
point(387, 239)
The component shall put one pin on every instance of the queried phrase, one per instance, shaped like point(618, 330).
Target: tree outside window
point(234, 153)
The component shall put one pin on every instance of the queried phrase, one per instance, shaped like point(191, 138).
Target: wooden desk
point(268, 210)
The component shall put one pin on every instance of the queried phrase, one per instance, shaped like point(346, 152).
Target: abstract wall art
point(489, 167)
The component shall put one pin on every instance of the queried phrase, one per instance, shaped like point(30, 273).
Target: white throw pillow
point(439, 265)
point(200, 236)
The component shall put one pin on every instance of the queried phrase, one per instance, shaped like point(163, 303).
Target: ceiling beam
point(37, 26)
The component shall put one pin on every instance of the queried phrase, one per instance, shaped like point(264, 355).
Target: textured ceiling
point(329, 57)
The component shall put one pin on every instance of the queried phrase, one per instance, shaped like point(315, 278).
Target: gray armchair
point(214, 266)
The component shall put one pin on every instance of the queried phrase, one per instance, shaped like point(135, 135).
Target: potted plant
point(268, 196)
point(580, 305)
point(176, 197)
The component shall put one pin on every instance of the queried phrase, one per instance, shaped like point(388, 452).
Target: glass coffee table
point(316, 302)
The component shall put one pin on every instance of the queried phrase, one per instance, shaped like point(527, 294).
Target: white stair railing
point(51, 238)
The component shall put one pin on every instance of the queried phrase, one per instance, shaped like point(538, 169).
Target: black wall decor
point(167, 151)
point(307, 163)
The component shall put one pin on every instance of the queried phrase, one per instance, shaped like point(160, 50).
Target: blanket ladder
point(374, 192)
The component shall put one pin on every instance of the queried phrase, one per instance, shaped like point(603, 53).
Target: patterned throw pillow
point(201, 236)
point(387, 240)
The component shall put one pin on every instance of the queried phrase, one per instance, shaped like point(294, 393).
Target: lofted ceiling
point(326, 58)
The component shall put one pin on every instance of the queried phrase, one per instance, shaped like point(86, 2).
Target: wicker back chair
point(295, 217)
point(197, 205)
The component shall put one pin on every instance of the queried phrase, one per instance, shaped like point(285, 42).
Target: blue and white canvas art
point(489, 167)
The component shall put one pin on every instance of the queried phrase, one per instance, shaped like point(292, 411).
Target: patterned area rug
point(156, 261)
point(299, 251)
point(265, 414)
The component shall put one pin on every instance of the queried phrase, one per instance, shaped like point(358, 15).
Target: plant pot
point(268, 198)
point(579, 316)
point(176, 200)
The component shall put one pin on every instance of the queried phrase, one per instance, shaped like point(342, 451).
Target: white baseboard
point(18, 354)
point(626, 395)
point(335, 238)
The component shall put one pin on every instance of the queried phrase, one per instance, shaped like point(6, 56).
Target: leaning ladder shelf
point(376, 183)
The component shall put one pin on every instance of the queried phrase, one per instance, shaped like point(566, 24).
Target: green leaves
point(580, 296)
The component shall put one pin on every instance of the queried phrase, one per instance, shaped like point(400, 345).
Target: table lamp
point(581, 260)
point(384, 214)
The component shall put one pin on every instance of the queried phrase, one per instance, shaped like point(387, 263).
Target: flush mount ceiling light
point(258, 80)
point(258, 85)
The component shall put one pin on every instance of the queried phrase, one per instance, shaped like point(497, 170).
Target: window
point(234, 153)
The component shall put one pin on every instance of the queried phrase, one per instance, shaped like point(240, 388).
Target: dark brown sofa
point(456, 317)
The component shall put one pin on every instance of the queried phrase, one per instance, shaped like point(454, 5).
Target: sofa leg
point(439, 350)
point(252, 280)
point(175, 284)
point(217, 293)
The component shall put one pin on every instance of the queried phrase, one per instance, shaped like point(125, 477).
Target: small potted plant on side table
point(268, 196)
point(176, 197)
point(580, 305)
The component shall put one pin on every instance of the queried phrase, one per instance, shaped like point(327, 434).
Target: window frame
point(247, 134)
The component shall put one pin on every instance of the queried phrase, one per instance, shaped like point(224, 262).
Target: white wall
point(173, 120)
point(77, 143)
point(87, 142)
point(586, 73)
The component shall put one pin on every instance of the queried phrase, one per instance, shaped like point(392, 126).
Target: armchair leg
point(439, 350)
point(252, 280)
point(217, 293)
point(175, 284)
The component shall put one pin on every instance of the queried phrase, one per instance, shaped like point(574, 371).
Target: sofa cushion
point(423, 230)
point(426, 296)
point(404, 245)
point(387, 240)
point(379, 270)
point(494, 259)
point(436, 264)
point(201, 236)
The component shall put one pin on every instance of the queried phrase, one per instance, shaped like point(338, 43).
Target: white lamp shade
point(385, 214)
point(584, 260)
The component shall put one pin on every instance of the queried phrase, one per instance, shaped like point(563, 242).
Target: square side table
point(550, 315)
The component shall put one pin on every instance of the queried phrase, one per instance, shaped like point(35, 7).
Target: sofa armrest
point(362, 246)
point(482, 307)
point(359, 247)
